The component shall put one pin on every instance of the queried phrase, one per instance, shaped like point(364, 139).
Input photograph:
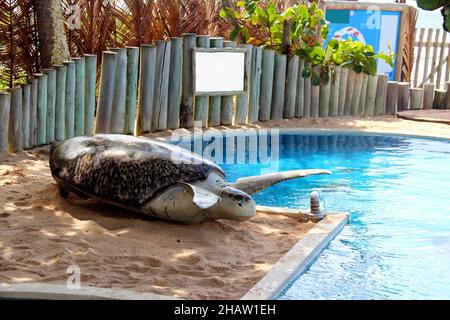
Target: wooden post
point(419, 54)
point(334, 93)
point(89, 95)
point(215, 102)
point(427, 55)
point(226, 113)
point(176, 61)
point(307, 95)
point(26, 99)
point(187, 93)
point(242, 99)
point(131, 89)
point(255, 84)
point(51, 104)
point(70, 99)
point(120, 92)
point(265, 98)
point(161, 93)
point(403, 96)
point(380, 101)
point(324, 99)
point(33, 113)
point(106, 96)
point(15, 120)
point(416, 98)
point(299, 99)
point(392, 98)
point(60, 104)
point(5, 102)
point(201, 102)
point(41, 109)
point(279, 86)
point(357, 93)
point(428, 95)
point(80, 70)
point(315, 95)
point(146, 89)
point(290, 98)
point(363, 98)
point(439, 99)
point(369, 108)
point(349, 91)
point(343, 91)
point(447, 95)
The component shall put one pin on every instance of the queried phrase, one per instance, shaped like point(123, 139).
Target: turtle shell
point(125, 169)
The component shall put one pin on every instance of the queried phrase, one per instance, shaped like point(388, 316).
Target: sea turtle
point(156, 179)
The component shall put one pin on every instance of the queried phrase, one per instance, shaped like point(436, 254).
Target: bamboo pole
point(428, 95)
point(26, 99)
point(357, 93)
point(349, 92)
point(33, 112)
point(106, 96)
point(334, 93)
point(41, 137)
point(89, 97)
point(369, 108)
point(255, 84)
point(427, 55)
point(51, 104)
point(435, 50)
point(201, 102)
point(299, 98)
point(324, 98)
point(215, 102)
point(187, 94)
point(161, 97)
point(315, 95)
point(419, 55)
point(60, 104)
point(15, 120)
point(380, 101)
point(391, 98)
point(291, 87)
point(242, 99)
point(5, 103)
point(70, 100)
point(131, 89)
point(438, 103)
point(363, 98)
point(342, 91)
point(176, 61)
point(279, 83)
point(416, 101)
point(447, 95)
point(307, 95)
point(265, 98)
point(403, 96)
point(80, 81)
point(441, 58)
point(146, 89)
point(120, 92)
point(226, 113)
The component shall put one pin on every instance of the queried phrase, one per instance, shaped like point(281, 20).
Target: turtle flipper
point(181, 202)
point(254, 184)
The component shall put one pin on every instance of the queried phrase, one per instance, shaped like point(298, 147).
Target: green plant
point(436, 4)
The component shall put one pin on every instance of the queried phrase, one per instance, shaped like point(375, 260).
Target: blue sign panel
point(377, 28)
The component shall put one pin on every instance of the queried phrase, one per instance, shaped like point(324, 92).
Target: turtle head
point(235, 204)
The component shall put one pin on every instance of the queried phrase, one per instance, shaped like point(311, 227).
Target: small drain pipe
point(316, 213)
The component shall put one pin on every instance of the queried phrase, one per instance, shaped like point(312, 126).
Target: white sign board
point(219, 71)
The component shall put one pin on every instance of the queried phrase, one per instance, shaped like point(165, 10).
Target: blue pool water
point(397, 189)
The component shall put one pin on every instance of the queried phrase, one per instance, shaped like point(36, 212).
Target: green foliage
point(260, 23)
point(436, 4)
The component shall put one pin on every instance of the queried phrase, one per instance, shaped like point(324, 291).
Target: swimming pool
point(397, 189)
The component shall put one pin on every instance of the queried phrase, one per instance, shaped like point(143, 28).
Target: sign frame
point(220, 50)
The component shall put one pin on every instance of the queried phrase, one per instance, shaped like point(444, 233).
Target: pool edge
point(298, 259)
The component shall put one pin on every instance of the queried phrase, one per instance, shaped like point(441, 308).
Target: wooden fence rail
point(150, 89)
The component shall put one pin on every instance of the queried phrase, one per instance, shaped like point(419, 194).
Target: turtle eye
point(240, 204)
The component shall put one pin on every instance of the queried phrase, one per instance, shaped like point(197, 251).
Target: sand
point(41, 234)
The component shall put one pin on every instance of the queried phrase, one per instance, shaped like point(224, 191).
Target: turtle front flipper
point(183, 203)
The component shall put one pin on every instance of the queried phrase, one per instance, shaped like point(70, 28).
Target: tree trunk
point(52, 37)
